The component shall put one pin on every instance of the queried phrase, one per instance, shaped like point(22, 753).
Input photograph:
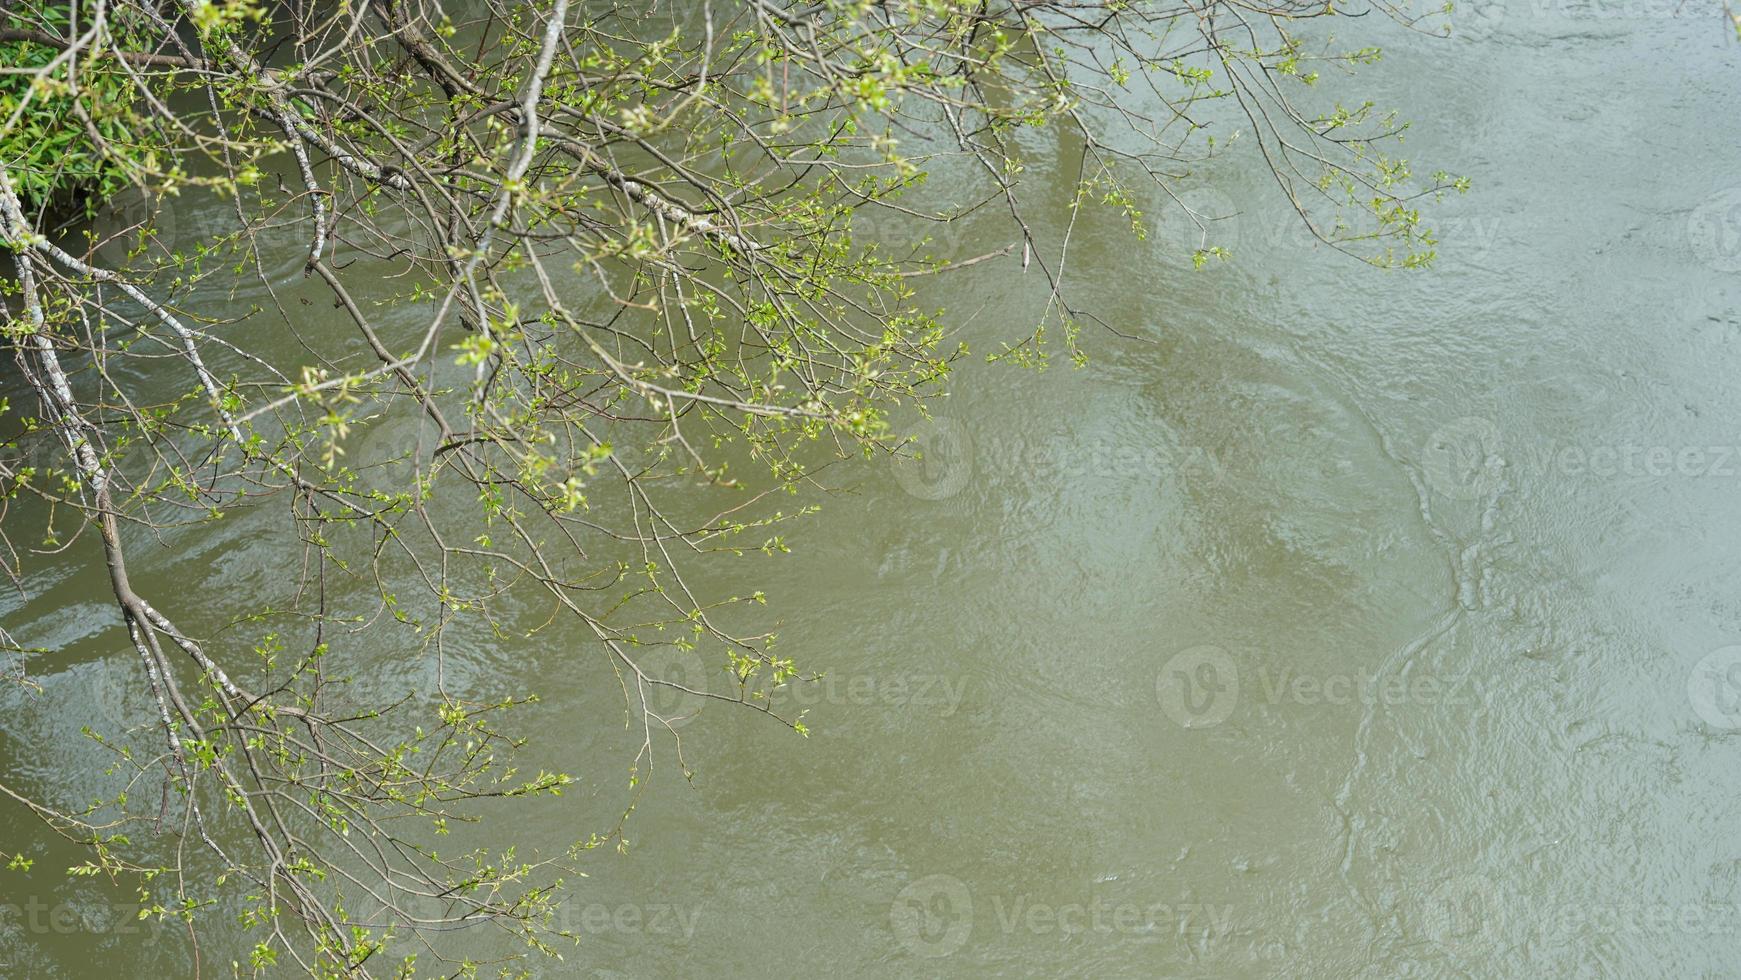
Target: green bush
point(48, 148)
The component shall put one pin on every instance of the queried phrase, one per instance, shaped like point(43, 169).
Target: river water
point(1347, 623)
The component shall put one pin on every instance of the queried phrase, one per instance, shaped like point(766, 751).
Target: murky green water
point(1351, 624)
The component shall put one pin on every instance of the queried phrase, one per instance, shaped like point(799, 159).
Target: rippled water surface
point(1348, 623)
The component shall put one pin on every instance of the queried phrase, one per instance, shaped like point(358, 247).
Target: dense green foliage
point(69, 143)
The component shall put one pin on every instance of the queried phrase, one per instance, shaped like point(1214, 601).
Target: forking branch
point(624, 267)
